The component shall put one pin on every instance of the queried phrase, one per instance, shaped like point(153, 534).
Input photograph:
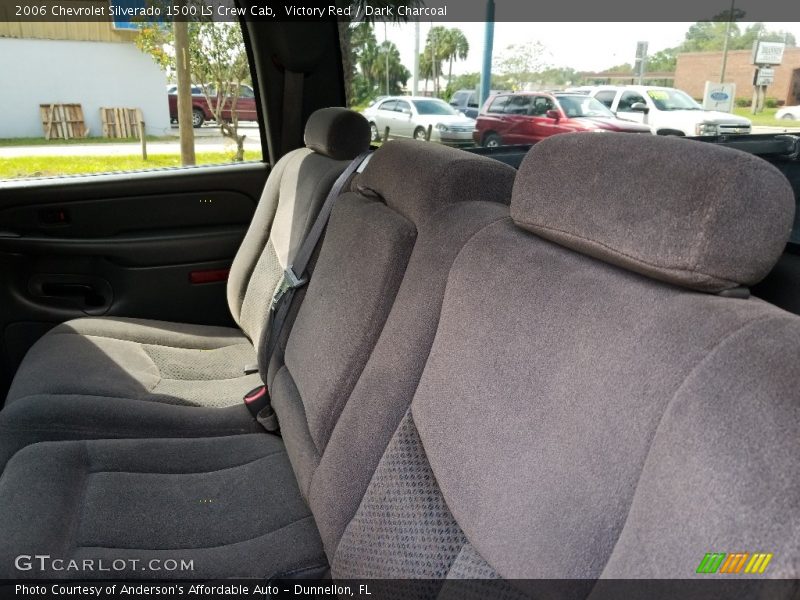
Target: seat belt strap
point(257, 400)
point(292, 125)
point(295, 276)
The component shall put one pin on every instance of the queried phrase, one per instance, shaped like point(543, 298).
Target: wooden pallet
point(121, 122)
point(63, 121)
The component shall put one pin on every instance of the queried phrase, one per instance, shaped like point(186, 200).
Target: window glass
point(628, 99)
point(434, 107)
point(67, 113)
point(519, 105)
point(606, 97)
point(583, 106)
point(666, 99)
point(541, 104)
point(402, 107)
point(498, 105)
point(388, 105)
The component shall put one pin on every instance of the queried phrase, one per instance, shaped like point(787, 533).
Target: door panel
point(153, 245)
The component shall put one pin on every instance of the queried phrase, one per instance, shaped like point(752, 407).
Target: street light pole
point(725, 47)
point(415, 91)
point(488, 44)
point(386, 48)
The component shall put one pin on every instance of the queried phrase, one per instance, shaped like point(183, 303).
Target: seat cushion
point(230, 505)
point(139, 359)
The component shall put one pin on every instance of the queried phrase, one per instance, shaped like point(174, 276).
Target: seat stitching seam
point(637, 259)
point(244, 464)
point(244, 342)
point(282, 527)
point(706, 357)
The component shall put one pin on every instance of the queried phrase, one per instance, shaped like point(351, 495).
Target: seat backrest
point(388, 229)
point(294, 192)
point(592, 397)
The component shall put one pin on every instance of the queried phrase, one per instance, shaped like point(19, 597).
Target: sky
point(582, 46)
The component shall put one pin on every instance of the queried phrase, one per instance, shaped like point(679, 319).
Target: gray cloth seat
point(598, 402)
point(85, 376)
point(227, 505)
point(377, 251)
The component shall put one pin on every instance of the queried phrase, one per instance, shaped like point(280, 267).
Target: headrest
point(686, 212)
point(338, 133)
point(417, 178)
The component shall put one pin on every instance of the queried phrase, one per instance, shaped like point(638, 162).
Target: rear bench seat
point(601, 399)
point(118, 377)
point(135, 498)
point(598, 389)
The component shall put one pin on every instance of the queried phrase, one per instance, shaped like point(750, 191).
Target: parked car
point(468, 101)
point(201, 111)
point(668, 111)
point(788, 113)
point(529, 117)
point(410, 116)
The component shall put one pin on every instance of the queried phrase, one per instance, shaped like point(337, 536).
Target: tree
point(454, 47)
point(369, 63)
point(346, 33)
point(435, 50)
point(520, 62)
point(218, 64)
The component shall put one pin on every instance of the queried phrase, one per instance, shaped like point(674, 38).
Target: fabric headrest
point(686, 212)
point(338, 133)
point(417, 178)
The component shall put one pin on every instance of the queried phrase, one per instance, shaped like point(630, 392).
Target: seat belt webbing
point(295, 277)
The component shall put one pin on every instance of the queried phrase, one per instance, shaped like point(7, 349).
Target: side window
point(606, 97)
point(472, 100)
point(519, 105)
point(388, 105)
point(67, 113)
point(403, 107)
point(541, 104)
point(458, 99)
point(628, 99)
point(246, 92)
point(498, 105)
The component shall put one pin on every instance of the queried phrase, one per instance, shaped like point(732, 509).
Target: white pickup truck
point(668, 111)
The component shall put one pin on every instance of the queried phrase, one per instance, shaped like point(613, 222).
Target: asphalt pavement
point(207, 139)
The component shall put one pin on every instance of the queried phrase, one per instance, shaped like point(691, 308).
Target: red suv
point(528, 117)
point(201, 112)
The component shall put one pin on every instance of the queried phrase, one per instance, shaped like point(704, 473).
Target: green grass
point(766, 117)
point(54, 166)
point(7, 142)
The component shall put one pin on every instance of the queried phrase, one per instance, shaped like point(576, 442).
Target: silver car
point(411, 116)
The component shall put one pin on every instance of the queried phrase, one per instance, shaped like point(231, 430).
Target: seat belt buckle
point(256, 399)
point(290, 281)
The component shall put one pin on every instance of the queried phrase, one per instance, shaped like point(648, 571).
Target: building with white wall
point(91, 64)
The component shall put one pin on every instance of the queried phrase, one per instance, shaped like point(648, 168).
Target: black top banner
point(131, 11)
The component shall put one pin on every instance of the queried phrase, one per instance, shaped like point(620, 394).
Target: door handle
point(89, 294)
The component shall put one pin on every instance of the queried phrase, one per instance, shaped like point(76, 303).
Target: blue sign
point(719, 96)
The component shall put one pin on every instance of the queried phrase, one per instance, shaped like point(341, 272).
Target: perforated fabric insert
point(403, 528)
point(195, 364)
point(472, 578)
point(260, 291)
point(212, 393)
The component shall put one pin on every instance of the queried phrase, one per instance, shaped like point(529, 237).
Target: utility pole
point(386, 47)
point(415, 90)
point(183, 72)
point(725, 46)
point(488, 43)
point(434, 72)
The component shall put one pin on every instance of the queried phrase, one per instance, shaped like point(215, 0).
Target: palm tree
point(456, 47)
